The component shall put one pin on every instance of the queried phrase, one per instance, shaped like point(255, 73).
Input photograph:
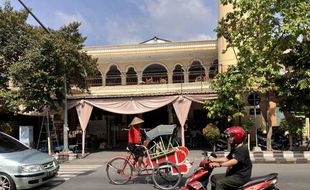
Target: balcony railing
point(151, 89)
point(152, 84)
point(149, 78)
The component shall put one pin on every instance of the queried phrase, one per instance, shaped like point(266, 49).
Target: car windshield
point(8, 144)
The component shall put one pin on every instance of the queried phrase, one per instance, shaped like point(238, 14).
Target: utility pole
point(65, 126)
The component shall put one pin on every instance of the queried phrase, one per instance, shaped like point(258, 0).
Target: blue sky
point(112, 22)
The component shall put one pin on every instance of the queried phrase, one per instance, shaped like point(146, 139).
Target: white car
point(22, 167)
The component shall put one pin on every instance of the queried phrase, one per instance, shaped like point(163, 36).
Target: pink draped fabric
point(181, 107)
point(83, 111)
point(134, 105)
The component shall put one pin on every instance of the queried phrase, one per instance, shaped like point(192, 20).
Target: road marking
point(66, 172)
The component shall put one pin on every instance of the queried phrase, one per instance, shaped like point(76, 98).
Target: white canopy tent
point(136, 105)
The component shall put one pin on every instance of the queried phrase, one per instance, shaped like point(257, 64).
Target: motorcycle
point(200, 178)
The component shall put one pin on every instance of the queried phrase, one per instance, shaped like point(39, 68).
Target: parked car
point(22, 167)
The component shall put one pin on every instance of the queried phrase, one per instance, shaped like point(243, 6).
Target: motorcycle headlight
point(188, 180)
point(56, 163)
point(31, 168)
point(274, 181)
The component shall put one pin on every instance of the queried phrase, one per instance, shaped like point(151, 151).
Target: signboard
point(254, 99)
point(26, 135)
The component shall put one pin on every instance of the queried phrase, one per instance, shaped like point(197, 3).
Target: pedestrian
point(238, 162)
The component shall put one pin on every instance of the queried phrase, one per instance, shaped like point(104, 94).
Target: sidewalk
point(280, 157)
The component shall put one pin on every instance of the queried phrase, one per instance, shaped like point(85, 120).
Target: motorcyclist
point(238, 162)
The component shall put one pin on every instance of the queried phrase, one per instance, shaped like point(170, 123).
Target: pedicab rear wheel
point(119, 170)
point(166, 175)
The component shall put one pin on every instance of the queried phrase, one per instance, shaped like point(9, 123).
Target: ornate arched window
point(155, 73)
point(131, 76)
point(113, 76)
point(178, 74)
point(213, 69)
point(196, 72)
point(95, 80)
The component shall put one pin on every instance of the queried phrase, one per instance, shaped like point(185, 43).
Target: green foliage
point(260, 31)
point(248, 125)
point(38, 62)
point(7, 127)
point(294, 84)
point(228, 104)
point(211, 133)
point(293, 125)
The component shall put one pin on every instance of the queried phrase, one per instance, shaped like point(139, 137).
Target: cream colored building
point(134, 74)
point(153, 68)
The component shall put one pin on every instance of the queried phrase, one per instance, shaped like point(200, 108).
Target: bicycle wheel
point(119, 170)
point(166, 176)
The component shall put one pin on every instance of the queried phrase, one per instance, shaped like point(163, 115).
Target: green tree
point(39, 62)
point(294, 84)
point(228, 105)
point(294, 126)
point(260, 31)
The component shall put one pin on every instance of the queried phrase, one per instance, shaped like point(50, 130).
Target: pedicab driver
point(134, 139)
point(238, 162)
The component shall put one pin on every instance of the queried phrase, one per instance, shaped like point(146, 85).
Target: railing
point(149, 78)
point(152, 89)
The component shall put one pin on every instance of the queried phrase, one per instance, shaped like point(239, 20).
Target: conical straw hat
point(136, 121)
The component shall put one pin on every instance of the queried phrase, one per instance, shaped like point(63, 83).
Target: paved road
point(78, 175)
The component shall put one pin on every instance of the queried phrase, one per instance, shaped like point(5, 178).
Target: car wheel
point(6, 182)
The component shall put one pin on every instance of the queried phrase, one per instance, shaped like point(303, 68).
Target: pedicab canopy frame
point(160, 130)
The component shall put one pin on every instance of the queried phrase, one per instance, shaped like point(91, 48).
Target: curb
point(263, 157)
point(276, 157)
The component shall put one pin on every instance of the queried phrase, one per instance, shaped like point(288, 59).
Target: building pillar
point(229, 57)
point(103, 78)
point(123, 79)
point(186, 76)
point(139, 75)
point(170, 75)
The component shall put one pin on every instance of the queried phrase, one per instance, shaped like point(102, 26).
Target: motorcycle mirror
point(205, 153)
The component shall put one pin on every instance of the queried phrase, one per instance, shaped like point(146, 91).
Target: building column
point(170, 78)
point(139, 76)
point(186, 76)
point(103, 78)
point(123, 78)
point(229, 57)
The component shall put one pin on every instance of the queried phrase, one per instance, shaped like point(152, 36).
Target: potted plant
point(211, 133)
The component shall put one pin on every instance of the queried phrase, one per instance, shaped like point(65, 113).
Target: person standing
point(238, 162)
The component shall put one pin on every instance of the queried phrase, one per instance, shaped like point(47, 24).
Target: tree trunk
point(290, 139)
point(214, 147)
point(269, 138)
